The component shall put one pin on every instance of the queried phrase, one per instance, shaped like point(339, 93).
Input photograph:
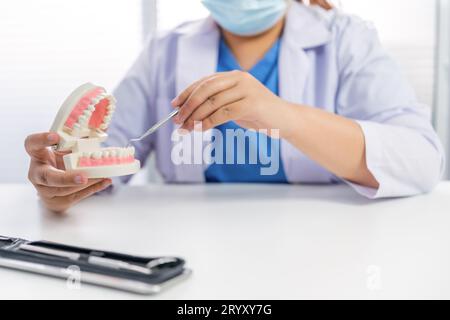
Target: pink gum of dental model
point(83, 104)
point(92, 162)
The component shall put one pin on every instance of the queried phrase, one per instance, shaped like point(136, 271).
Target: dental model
point(81, 123)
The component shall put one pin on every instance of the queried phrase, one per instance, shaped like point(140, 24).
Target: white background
point(48, 47)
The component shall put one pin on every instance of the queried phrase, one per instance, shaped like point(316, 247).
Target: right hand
point(58, 189)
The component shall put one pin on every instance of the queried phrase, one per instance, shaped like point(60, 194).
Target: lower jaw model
point(81, 123)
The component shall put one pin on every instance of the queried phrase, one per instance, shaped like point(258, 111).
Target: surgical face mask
point(246, 17)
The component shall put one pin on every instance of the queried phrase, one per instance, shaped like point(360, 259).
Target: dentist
point(319, 78)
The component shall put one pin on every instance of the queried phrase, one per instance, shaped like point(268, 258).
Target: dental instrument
point(154, 127)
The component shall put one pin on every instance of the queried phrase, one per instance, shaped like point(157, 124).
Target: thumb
point(37, 144)
point(59, 159)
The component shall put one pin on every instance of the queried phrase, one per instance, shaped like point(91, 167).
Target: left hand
point(228, 96)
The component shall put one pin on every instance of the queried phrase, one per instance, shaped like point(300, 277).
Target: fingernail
point(177, 119)
point(174, 101)
point(52, 137)
point(79, 179)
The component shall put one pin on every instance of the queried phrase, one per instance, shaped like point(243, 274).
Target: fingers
point(87, 192)
point(59, 159)
point(46, 175)
point(211, 105)
point(222, 115)
point(202, 93)
point(182, 97)
point(61, 204)
point(52, 192)
point(36, 144)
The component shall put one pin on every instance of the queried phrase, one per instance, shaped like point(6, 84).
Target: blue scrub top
point(266, 71)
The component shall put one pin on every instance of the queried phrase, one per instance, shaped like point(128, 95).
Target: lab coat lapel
point(197, 55)
point(305, 29)
point(293, 71)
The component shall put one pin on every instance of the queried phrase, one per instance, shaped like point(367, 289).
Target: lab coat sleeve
point(403, 152)
point(135, 106)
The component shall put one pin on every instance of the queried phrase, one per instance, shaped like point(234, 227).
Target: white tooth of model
point(84, 140)
point(82, 120)
point(97, 155)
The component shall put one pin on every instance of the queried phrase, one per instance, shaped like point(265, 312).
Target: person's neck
point(249, 50)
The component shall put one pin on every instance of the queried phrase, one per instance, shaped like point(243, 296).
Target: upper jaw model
point(81, 123)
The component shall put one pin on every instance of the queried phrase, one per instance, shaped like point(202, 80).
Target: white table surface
point(249, 241)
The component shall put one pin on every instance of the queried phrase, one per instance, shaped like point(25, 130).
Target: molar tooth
point(91, 107)
point(87, 113)
point(106, 154)
point(131, 151)
point(86, 154)
point(113, 153)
